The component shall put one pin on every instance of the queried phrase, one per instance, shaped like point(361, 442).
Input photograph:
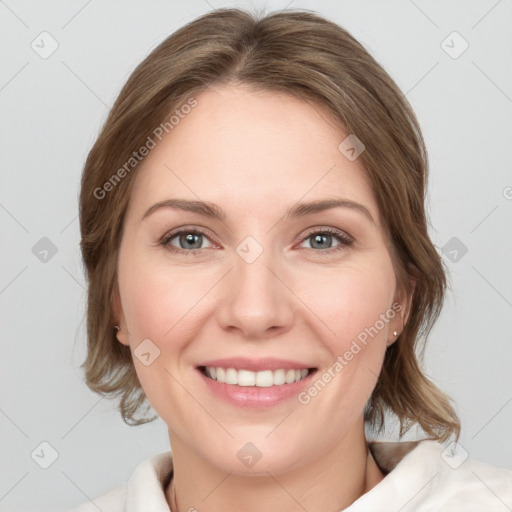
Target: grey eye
point(321, 241)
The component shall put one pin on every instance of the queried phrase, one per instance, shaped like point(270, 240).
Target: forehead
point(252, 150)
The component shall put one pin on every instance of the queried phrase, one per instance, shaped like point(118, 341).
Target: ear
point(117, 309)
point(402, 306)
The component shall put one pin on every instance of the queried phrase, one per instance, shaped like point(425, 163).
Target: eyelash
point(343, 239)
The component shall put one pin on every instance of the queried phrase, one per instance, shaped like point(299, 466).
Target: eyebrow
point(298, 210)
point(303, 209)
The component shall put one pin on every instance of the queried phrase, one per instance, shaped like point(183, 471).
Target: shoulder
point(427, 476)
point(145, 489)
point(466, 482)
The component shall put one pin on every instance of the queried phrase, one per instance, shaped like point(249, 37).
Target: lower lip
point(252, 396)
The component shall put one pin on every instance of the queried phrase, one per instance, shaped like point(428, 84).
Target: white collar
point(421, 477)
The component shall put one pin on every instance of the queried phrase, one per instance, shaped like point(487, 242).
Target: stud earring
point(117, 328)
point(389, 343)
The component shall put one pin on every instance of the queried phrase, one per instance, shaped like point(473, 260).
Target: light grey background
point(51, 111)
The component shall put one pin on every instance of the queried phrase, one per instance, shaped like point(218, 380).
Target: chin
point(256, 456)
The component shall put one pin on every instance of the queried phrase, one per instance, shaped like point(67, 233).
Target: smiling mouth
point(261, 379)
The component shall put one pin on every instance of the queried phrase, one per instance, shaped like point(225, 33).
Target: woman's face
point(230, 266)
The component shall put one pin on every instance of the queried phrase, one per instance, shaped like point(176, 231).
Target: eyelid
point(328, 229)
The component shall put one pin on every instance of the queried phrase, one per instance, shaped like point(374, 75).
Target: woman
point(259, 267)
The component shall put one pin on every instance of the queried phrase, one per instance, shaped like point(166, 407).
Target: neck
point(331, 481)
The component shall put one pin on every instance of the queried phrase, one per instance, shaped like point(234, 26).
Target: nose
point(255, 300)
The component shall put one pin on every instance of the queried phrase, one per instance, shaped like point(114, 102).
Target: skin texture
point(255, 154)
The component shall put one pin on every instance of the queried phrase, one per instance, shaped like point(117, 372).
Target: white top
point(423, 477)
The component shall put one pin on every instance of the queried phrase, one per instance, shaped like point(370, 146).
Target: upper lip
point(255, 365)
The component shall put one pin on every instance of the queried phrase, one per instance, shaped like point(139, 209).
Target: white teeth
point(263, 379)
point(246, 378)
point(280, 378)
point(290, 376)
point(231, 376)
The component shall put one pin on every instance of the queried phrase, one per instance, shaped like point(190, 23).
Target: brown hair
point(299, 53)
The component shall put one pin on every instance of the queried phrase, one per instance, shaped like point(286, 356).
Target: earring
point(117, 328)
point(389, 343)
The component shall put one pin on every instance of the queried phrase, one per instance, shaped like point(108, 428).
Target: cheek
point(158, 301)
point(351, 302)
point(159, 306)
